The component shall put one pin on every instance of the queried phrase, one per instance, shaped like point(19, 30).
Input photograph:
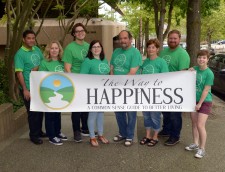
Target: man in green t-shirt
point(28, 59)
point(125, 61)
point(177, 59)
point(73, 56)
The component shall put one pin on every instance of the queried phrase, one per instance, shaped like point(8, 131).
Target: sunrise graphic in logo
point(57, 91)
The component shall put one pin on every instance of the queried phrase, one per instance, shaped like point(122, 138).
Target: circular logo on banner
point(57, 91)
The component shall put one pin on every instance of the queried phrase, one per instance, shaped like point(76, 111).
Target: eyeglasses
point(79, 31)
point(94, 47)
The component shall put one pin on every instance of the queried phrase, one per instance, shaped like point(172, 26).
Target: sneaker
point(191, 147)
point(163, 134)
point(200, 153)
point(62, 137)
point(77, 136)
point(56, 141)
point(171, 141)
point(85, 133)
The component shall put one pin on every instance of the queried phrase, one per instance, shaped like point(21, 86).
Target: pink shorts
point(205, 108)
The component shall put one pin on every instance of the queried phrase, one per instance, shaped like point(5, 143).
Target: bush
point(4, 98)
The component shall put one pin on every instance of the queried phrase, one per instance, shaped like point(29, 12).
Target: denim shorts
point(205, 108)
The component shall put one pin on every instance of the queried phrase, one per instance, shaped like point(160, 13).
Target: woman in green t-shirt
point(152, 64)
point(97, 64)
point(204, 81)
point(53, 63)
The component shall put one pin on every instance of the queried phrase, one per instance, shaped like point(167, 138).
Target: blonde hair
point(47, 50)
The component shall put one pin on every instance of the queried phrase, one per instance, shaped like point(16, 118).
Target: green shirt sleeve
point(67, 56)
point(210, 78)
point(185, 62)
point(19, 65)
point(136, 60)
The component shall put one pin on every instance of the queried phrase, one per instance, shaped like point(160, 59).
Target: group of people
point(84, 58)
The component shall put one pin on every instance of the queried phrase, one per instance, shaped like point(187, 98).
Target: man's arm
point(67, 67)
point(111, 70)
point(133, 71)
point(26, 92)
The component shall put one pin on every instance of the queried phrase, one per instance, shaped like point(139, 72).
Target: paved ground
point(18, 154)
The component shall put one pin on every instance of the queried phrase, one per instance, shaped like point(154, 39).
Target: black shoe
point(36, 141)
point(85, 133)
point(172, 141)
point(42, 135)
point(77, 137)
point(163, 134)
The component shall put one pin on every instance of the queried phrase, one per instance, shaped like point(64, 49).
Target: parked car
point(217, 65)
point(221, 42)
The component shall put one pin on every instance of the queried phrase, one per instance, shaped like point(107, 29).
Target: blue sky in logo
point(49, 82)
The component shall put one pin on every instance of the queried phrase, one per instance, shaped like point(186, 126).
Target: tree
point(193, 28)
point(19, 17)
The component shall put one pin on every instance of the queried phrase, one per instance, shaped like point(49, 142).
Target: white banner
point(68, 92)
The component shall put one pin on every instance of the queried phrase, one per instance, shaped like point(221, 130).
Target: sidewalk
point(20, 155)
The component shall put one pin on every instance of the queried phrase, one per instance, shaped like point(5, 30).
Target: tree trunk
point(193, 29)
point(140, 36)
point(146, 34)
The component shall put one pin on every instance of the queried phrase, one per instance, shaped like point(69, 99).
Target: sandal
point(118, 138)
point(94, 142)
point(144, 140)
point(103, 139)
point(152, 142)
point(128, 142)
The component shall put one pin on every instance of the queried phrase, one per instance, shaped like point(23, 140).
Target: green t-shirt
point(203, 78)
point(25, 60)
point(75, 54)
point(52, 66)
point(157, 65)
point(177, 59)
point(123, 60)
point(95, 66)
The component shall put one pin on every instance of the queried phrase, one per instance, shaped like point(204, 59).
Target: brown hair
point(175, 31)
point(90, 54)
point(153, 41)
point(203, 53)
point(47, 50)
point(74, 29)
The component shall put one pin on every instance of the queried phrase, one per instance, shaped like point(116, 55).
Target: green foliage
point(4, 98)
point(213, 25)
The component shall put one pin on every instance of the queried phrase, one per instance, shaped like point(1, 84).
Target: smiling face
point(96, 50)
point(202, 61)
point(173, 40)
point(79, 33)
point(54, 51)
point(152, 50)
point(124, 40)
point(29, 40)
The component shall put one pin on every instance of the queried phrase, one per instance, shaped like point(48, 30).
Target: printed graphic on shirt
point(84, 53)
point(59, 68)
point(119, 62)
point(57, 91)
point(167, 58)
point(148, 69)
point(198, 82)
point(103, 68)
point(35, 58)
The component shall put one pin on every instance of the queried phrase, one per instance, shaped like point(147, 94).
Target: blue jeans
point(152, 120)
point(126, 122)
point(172, 124)
point(52, 124)
point(93, 118)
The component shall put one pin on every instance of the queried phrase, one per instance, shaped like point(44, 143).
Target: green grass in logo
point(67, 93)
point(46, 93)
